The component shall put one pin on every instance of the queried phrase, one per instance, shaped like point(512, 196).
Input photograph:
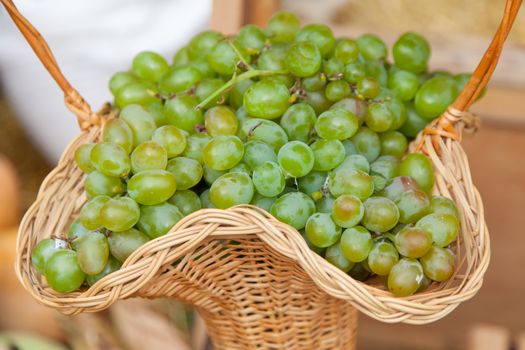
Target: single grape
point(352, 181)
point(268, 179)
point(195, 145)
point(372, 47)
point(355, 161)
point(188, 172)
point(298, 121)
point(443, 205)
point(187, 201)
point(149, 66)
point(356, 243)
point(266, 99)
point(379, 118)
point(414, 122)
point(411, 52)
point(316, 82)
point(118, 132)
point(274, 59)
point(181, 57)
point(413, 242)
point(157, 220)
point(333, 68)
point(438, 264)
point(138, 92)
point(171, 138)
point(434, 96)
point(322, 231)
point(98, 184)
point(337, 90)
point(419, 167)
point(43, 251)
point(318, 101)
point(250, 39)
point(110, 159)
point(256, 153)
point(89, 215)
point(157, 113)
point(312, 182)
point(296, 158)
point(303, 59)
point(412, 205)
point(148, 155)
point(265, 131)
point(202, 65)
point(346, 50)
point(83, 157)
point(223, 152)
point(92, 252)
point(367, 143)
point(393, 143)
point(63, 272)
point(386, 166)
point(318, 34)
point(202, 44)
point(404, 84)
point(347, 210)
point(443, 227)
point(140, 121)
point(354, 105)
point(328, 154)
point(381, 214)
point(152, 187)
point(294, 209)
point(282, 26)
point(76, 230)
point(111, 266)
point(383, 256)
point(205, 199)
point(231, 189)
point(354, 72)
point(180, 111)
point(206, 87)
point(119, 214)
point(336, 124)
point(122, 244)
point(236, 96)
point(368, 88)
point(220, 120)
point(180, 79)
point(405, 277)
point(334, 255)
point(119, 80)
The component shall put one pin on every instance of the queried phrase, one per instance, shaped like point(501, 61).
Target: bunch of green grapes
point(310, 128)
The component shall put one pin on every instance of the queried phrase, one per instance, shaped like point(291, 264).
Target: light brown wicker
point(252, 278)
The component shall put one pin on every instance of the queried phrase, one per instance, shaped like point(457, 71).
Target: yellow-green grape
point(266, 99)
point(256, 153)
point(322, 231)
point(296, 158)
point(412, 205)
point(89, 215)
point(368, 88)
point(356, 243)
point(179, 79)
point(316, 82)
point(379, 118)
point(223, 58)
point(83, 157)
point(188, 172)
point(346, 50)
point(111, 266)
point(242, 168)
point(148, 155)
point(318, 34)
point(157, 220)
point(251, 39)
point(371, 47)
point(354, 105)
point(122, 244)
point(118, 132)
point(231, 189)
point(181, 112)
point(140, 121)
point(336, 124)
point(393, 143)
point(298, 121)
point(119, 80)
point(43, 251)
point(268, 179)
point(119, 214)
point(63, 272)
point(211, 175)
point(413, 242)
point(404, 84)
point(152, 187)
point(157, 113)
point(187, 201)
point(348, 180)
point(92, 252)
point(202, 44)
point(98, 184)
point(149, 66)
point(414, 123)
point(220, 120)
point(317, 250)
point(381, 214)
point(207, 87)
point(347, 210)
point(283, 26)
point(386, 166)
point(355, 161)
point(138, 93)
point(411, 52)
point(236, 95)
point(398, 186)
point(443, 205)
point(405, 277)
point(383, 256)
point(443, 227)
point(76, 230)
point(195, 145)
point(263, 202)
point(312, 182)
point(205, 199)
point(171, 138)
point(434, 96)
point(110, 159)
point(328, 154)
point(419, 167)
point(367, 143)
point(337, 90)
point(294, 209)
point(325, 204)
point(303, 59)
point(334, 255)
point(318, 101)
point(438, 264)
point(266, 131)
point(223, 152)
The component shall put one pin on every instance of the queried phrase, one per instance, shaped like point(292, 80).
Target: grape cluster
point(311, 128)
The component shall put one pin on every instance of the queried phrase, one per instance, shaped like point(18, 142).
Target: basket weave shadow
point(252, 278)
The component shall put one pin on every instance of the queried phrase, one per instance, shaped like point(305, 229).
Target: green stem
point(235, 79)
point(238, 53)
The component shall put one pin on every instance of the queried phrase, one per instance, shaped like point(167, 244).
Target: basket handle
point(73, 100)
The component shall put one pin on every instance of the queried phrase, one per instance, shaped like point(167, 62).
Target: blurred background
point(93, 39)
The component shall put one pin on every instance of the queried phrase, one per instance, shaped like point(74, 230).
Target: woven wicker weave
point(252, 278)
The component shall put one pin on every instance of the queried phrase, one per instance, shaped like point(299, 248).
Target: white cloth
point(91, 40)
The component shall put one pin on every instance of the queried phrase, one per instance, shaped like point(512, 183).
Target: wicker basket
point(252, 278)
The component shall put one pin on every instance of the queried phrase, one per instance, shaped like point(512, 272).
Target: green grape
point(336, 124)
point(372, 47)
point(171, 138)
point(138, 92)
point(367, 143)
point(379, 183)
point(298, 121)
point(118, 132)
point(333, 68)
point(180, 111)
point(111, 266)
point(379, 118)
point(140, 121)
point(282, 26)
point(148, 155)
point(180, 79)
point(203, 67)
point(157, 220)
point(354, 72)
point(443, 205)
point(149, 66)
point(381, 214)
point(303, 59)
point(195, 145)
point(350, 148)
point(397, 109)
point(412, 205)
point(322, 231)
point(414, 123)
point(236, 96)
point(207, 87)
point(240, 168)
point(202, 44)
point(386, 166)
point(152, 187)
point(294, 209)
point(325, 204)
point(181, 57)
point(434, 96)
point(348, 180)
point(63, 272)
point(337, 90)
point(419, 167)
point(92, 252)
point(354, 105)
point(110, 159)
point(368, 87)
point(157, 113)
point(122, 244)
point(318, 101)
point(205, 199)
point(334, 255)
point(263, 202)
point(223, 152)
point(43, 251)
point(347, 210)
point(318, 34)
point(355, 161)
point(404, 84)
point(274, 59)
point(312, 182)
point(438, 264)
point(83, 157)
point(328, 154)
point(346, 50)
point(89, 215)
point(377, 70)
point(296, 158)
point(268, 179)
point(223, 59)
point(358, 272)
point(98, 184)
point(413, 242)
point(393, 143)
point(356, 243)
point(76, 230)
point(397, 186)
point(119, 214)
point(405, 277)
point(231, 189)
point(211, 175)
point(256, 153)
point(220, 120)
point(187, 201)
point(250, 39)
point(188, 172)
point(383, 256)
point(316, 82)
point(443, 227)
point(119, 80)
point(266, 99)
point(411, 52)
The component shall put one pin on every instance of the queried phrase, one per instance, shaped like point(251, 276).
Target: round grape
point(381, 214)
point(152, 187)
point(356, 243)
point(231, 189)
point(296, 158)
point(294, 209)
point(336, 124)
point(223, 152)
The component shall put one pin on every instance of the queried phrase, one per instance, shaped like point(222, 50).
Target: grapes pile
point(311, 128)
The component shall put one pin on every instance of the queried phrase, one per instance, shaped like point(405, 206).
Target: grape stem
point(241, 57)
point(235, 79)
